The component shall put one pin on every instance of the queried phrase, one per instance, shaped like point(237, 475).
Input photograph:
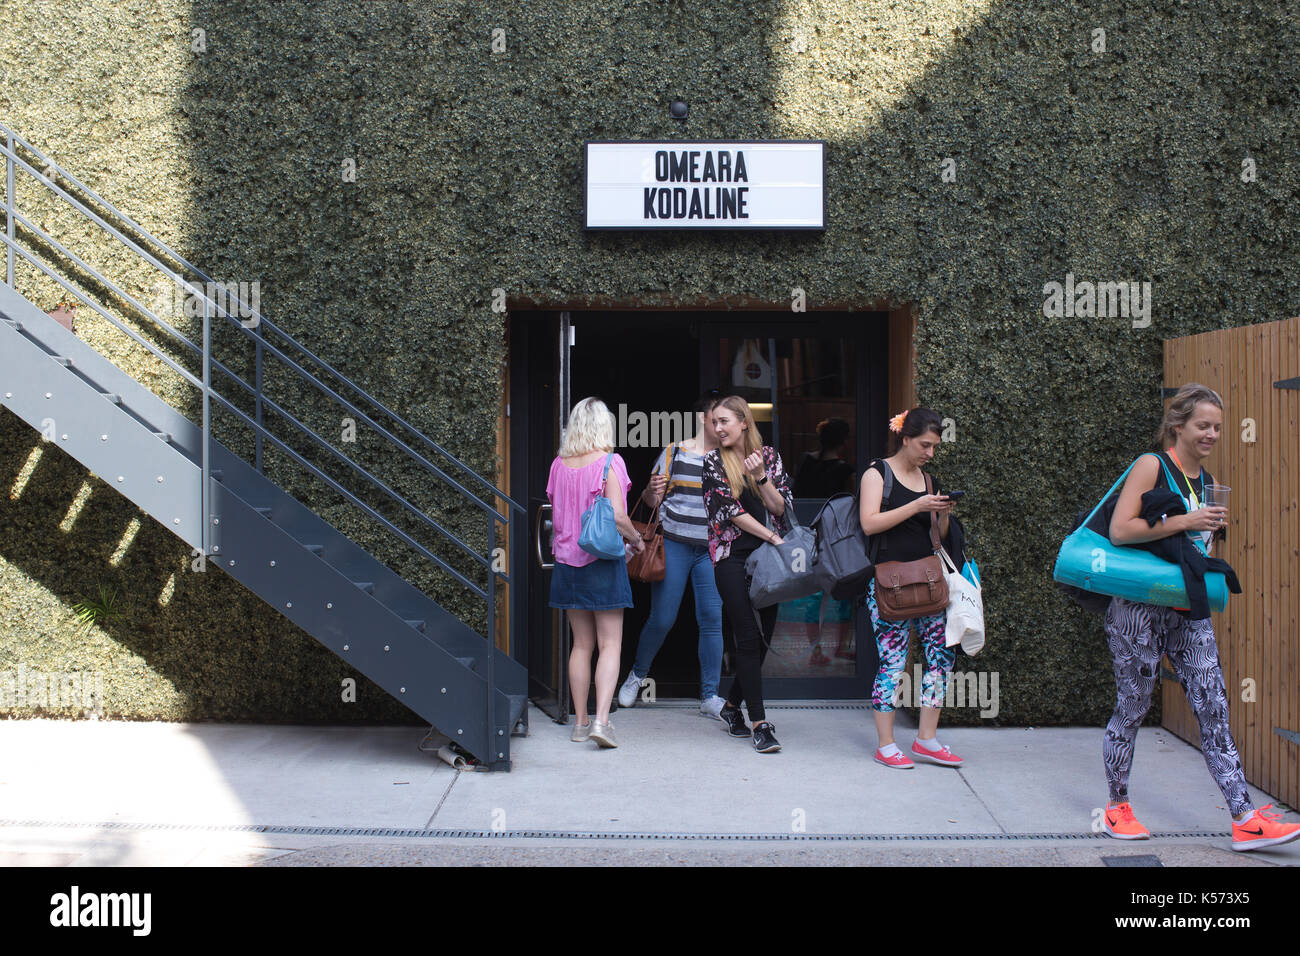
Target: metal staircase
point(453, 674)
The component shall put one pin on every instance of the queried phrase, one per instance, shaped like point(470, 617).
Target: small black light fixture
point(678, 109)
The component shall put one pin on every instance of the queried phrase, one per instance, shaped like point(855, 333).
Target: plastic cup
point(1216, 496)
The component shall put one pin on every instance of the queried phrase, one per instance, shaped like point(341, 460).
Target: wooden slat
point(1288, 669)
point(1259, 732)
point(902, 359)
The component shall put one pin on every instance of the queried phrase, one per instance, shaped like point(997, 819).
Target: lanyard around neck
point(1196, 502)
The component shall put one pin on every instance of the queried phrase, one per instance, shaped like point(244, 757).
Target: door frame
point(535, 332)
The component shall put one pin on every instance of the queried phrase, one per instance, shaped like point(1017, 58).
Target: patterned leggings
point(891, 642)
point(1138, 635)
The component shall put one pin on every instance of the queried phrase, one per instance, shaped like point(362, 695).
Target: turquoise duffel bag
point(1090, 561)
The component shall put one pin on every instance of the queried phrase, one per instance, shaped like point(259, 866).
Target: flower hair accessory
point(896, 423)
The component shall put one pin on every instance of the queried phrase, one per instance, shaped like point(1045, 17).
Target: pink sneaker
point(943, 756)
point(898, 761)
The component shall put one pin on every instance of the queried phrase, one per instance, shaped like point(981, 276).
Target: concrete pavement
point(678, 790)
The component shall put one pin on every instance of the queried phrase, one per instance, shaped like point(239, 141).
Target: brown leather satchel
point(650, 566)
point(908, 589)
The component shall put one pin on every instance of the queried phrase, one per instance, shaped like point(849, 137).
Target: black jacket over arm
point(1181, 550)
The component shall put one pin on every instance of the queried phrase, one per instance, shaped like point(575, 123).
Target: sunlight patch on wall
point(74, 509)
point(841, 66)
point(128, 536)
point(25, 475)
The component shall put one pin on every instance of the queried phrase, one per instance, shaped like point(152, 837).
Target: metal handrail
point(13, 217)
point(317, 360)
point(180, 337)
point(260, 342)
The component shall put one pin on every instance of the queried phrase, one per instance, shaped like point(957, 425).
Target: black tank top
point(754, 507)
point(910, 539)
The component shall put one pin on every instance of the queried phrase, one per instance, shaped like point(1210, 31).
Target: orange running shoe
point(1262, 829)
point(1122, 825)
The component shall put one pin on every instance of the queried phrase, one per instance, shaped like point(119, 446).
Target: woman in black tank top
point(901, 525)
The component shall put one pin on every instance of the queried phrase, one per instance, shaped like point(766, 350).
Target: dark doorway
point(649, 368)
point(646, 368)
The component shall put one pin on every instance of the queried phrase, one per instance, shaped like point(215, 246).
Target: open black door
point(539, 344)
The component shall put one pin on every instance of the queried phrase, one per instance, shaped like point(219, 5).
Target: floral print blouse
point(722, 505)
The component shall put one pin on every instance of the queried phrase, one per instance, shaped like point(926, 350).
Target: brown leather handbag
point(908, 589)
point(650, 566)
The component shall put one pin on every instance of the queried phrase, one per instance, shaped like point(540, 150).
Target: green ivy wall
point(1122, 164)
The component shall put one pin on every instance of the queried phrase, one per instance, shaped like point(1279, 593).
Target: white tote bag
point(965, 609)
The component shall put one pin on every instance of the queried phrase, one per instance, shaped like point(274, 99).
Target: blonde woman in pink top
point(592, 590)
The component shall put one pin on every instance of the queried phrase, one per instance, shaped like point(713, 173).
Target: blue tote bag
point(1089, 561)
point(599, 532)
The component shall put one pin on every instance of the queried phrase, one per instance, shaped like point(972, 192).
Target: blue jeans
point(683, 561)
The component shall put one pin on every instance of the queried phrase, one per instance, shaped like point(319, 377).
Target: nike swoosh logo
point(1259, 832)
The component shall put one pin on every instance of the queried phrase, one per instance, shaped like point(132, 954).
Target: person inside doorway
point(826, 472)
point(1139, 634)
point(594, 591)
point(744, 482)
point(821, 474)
point(902, 524)
point(676, 488)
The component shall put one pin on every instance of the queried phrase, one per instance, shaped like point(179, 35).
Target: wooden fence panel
point(1258, 636)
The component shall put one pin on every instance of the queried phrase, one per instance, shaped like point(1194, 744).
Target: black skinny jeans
point(751, 645)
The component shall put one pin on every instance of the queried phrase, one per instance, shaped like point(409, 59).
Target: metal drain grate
point(815, 705)
point(1138, 859)
point(462, 834)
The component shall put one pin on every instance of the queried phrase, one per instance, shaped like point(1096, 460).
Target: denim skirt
point(599, 586)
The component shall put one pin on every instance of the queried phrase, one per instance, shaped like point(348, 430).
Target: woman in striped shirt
point(685, 526)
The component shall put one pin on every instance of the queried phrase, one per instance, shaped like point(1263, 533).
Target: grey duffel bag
point(783, 572)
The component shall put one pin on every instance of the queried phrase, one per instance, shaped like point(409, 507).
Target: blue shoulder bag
point(1089, 561)
point(599, 532)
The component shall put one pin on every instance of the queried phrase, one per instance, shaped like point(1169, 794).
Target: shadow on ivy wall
point(222, 657)
point(1110, 158)
point(1114, 161)
point(1109, 166)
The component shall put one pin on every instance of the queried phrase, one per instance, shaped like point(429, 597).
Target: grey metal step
point(356, 564)
point(108, 438)
point(518, 704)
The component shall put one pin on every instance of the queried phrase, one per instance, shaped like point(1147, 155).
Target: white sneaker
point(712, 707)
point(627, 694)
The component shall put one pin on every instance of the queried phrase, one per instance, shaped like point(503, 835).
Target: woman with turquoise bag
point(1139, 634)
point(589, 580)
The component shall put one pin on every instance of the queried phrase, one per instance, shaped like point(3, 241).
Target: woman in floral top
point(744, 482)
